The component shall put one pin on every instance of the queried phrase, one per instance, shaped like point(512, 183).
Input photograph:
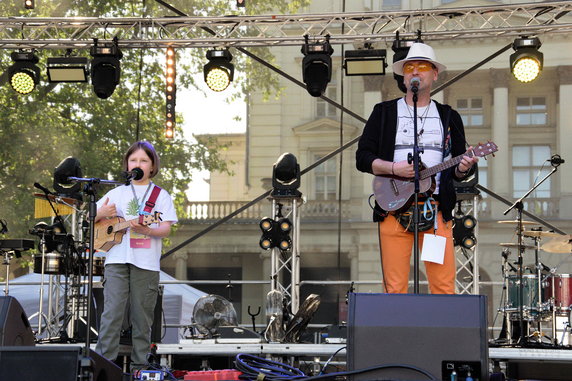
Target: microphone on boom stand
point(134, 174)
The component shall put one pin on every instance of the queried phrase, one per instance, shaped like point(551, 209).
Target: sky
point(208, 113)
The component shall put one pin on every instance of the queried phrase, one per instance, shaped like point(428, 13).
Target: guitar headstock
point(484, 149)
point(151, 218)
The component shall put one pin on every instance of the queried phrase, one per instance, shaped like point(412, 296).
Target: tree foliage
point(39, 130)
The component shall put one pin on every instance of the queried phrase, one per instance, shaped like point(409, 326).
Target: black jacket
point(378, 141)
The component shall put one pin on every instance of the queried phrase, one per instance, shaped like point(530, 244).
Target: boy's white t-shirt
point(127, 207)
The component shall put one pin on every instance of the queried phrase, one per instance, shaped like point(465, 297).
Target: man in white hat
point(384, 149)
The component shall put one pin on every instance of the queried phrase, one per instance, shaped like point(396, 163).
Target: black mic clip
point(556, 160)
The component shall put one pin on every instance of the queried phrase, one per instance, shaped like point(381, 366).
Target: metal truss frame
point(289, 262)
point(504, 20)
point(468, 259)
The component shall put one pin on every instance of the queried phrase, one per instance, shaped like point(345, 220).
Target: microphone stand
point(90, 188)
point(519, 208)
point(416, 161)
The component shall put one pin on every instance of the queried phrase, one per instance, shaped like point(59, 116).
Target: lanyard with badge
point(141, 241)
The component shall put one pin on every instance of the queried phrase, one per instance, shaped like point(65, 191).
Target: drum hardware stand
point(519, 206)
point(505, 266)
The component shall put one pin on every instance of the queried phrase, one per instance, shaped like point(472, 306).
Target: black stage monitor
point(437, 334)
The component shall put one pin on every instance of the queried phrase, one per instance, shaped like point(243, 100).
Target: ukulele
point(393, 192)
point(109, 232)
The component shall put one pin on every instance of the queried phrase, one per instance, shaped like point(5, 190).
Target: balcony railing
point(209, 211)
point(547, 208)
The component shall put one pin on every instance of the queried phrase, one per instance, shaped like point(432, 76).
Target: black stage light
point(219, 71)
point(67, 69)
point(105, 68)
point(241, 3)
point(275, 233)
point(29, 4)
point(170, 92)
point(317, 66)
point(286, 176)
point(463, 231)
point(24, 75)
point(400, 49)
point(69, 167)
point(526, 62)
point(366, 61)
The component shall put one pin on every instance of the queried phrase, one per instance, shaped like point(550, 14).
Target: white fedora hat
point(419, 52)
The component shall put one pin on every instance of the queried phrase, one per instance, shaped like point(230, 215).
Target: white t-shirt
point(429, 135)
point(127, 207)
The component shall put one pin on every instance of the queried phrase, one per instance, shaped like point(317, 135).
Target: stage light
point(366, 61)
point(67, 69)
point(105, 68)
point(400, 49)
point(317, 66)
point(275, 233)
point(218, 72)
point(286, 176)
point(463, 231)
point(170, 92)
point(24, 75)
point(526, 62)
point(241, 3)
point(29, 4)
point(69, 167)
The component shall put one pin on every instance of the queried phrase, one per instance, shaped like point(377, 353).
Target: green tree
point(39, 130)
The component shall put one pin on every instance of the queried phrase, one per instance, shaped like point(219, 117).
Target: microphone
point(414, 83)
point(556, 160)
point(134, 174)
point(43, 189)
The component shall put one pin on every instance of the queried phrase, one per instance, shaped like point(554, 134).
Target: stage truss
point(503, 20)
point(467, 275)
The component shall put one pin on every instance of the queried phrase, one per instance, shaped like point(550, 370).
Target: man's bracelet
point(462, 172)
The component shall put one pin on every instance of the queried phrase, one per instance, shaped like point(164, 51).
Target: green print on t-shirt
point(133, 207)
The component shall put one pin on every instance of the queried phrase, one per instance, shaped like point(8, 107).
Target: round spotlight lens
point(285, 244)
point(265, 243)
point(285, 225)
point(169, 133)
point(469, 222)
point(218, 79)
point(469, 242)
point(266, 224)
point(526, 69)
point(22, 82)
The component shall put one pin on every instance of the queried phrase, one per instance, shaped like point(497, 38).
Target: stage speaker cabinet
point(54, 363)
point(438, 334)
point(15, 328)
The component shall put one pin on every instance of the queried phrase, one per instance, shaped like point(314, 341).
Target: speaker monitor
point(53, 363)
point(438, 334)
point(14, 325)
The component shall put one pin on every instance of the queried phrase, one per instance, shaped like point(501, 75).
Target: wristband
point(392, 164)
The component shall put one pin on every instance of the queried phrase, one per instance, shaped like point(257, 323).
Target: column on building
point(499, 167)
point(564, 140)
point(181, 265)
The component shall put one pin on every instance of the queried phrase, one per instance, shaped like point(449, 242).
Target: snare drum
point(562, 286)
point(530, 295)
point(52, 264)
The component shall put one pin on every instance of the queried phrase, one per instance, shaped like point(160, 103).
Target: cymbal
point(516, 222)
point(539, 233)
point(515, 245)
point(558, 245)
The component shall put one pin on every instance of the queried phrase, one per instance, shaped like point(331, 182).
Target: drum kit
point(536, 297)
point(62, 256)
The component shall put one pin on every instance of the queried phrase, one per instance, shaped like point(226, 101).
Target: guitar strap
point(150, 203)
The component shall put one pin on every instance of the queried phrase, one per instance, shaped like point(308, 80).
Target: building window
point(471, 110)
point(391, 5)
point(323, 108)
point(531, 111)
point(325, 179)
point(529, 167)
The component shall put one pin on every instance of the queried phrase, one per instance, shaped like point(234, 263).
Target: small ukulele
point(393, 192)
point(109, 232)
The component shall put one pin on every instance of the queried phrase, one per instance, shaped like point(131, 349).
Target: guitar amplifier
point(406, 336)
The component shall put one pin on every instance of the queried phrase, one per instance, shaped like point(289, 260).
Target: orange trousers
point(396, 245)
